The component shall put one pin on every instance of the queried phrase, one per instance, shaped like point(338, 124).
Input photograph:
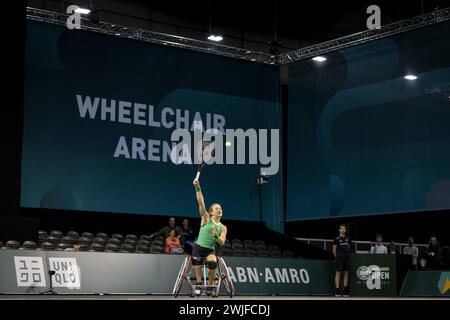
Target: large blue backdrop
point(364, 140)
point(99, 113)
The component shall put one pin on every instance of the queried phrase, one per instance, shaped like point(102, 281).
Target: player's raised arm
point(200, 200)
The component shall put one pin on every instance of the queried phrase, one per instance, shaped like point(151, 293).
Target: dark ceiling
point(306, 21)
point(302, 22)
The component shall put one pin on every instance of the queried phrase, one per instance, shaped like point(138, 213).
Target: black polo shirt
point(343, 245)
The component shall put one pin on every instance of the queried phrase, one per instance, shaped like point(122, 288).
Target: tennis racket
point(205, 151)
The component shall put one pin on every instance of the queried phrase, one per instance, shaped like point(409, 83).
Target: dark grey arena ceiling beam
point(153, 37)
point(243, 54)
point(365, 36)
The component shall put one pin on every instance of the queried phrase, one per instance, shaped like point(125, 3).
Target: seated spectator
point(379, 247)
point(433, 254)
point(189, 236)
point(413, 251)
point(173, 243)
point(75, 247)
point(392, 248)
point(166, 230)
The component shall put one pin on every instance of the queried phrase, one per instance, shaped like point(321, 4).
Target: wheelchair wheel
point(226, 277)
point(181, 276)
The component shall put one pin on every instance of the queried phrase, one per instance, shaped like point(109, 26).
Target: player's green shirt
point(206, 238)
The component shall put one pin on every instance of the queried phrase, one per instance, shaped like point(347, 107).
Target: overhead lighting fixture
point(253, 59)
point(319, 59)
point(215, 38)
point(410, 77)
point(82, 11)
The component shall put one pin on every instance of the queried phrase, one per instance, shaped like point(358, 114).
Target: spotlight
point(410, 77)
point(82, 11)
point(319, 59)
point(217, 38)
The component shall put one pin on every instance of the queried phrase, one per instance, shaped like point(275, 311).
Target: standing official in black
point(341, 251)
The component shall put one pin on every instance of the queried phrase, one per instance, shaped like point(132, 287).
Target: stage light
point(410, 77)
point(215, 38)
point(82, 11)
point(319, 59)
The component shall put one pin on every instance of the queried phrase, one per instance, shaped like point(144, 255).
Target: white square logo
point(67, 272)
point(30, 271)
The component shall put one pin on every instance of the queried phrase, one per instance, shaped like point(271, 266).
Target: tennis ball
point(228, 144)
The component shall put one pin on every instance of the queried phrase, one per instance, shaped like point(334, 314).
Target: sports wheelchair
point(187, 273)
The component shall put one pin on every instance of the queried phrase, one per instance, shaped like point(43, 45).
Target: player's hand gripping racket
point(205, 151)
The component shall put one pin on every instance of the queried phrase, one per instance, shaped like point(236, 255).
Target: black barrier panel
point(373, 275)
